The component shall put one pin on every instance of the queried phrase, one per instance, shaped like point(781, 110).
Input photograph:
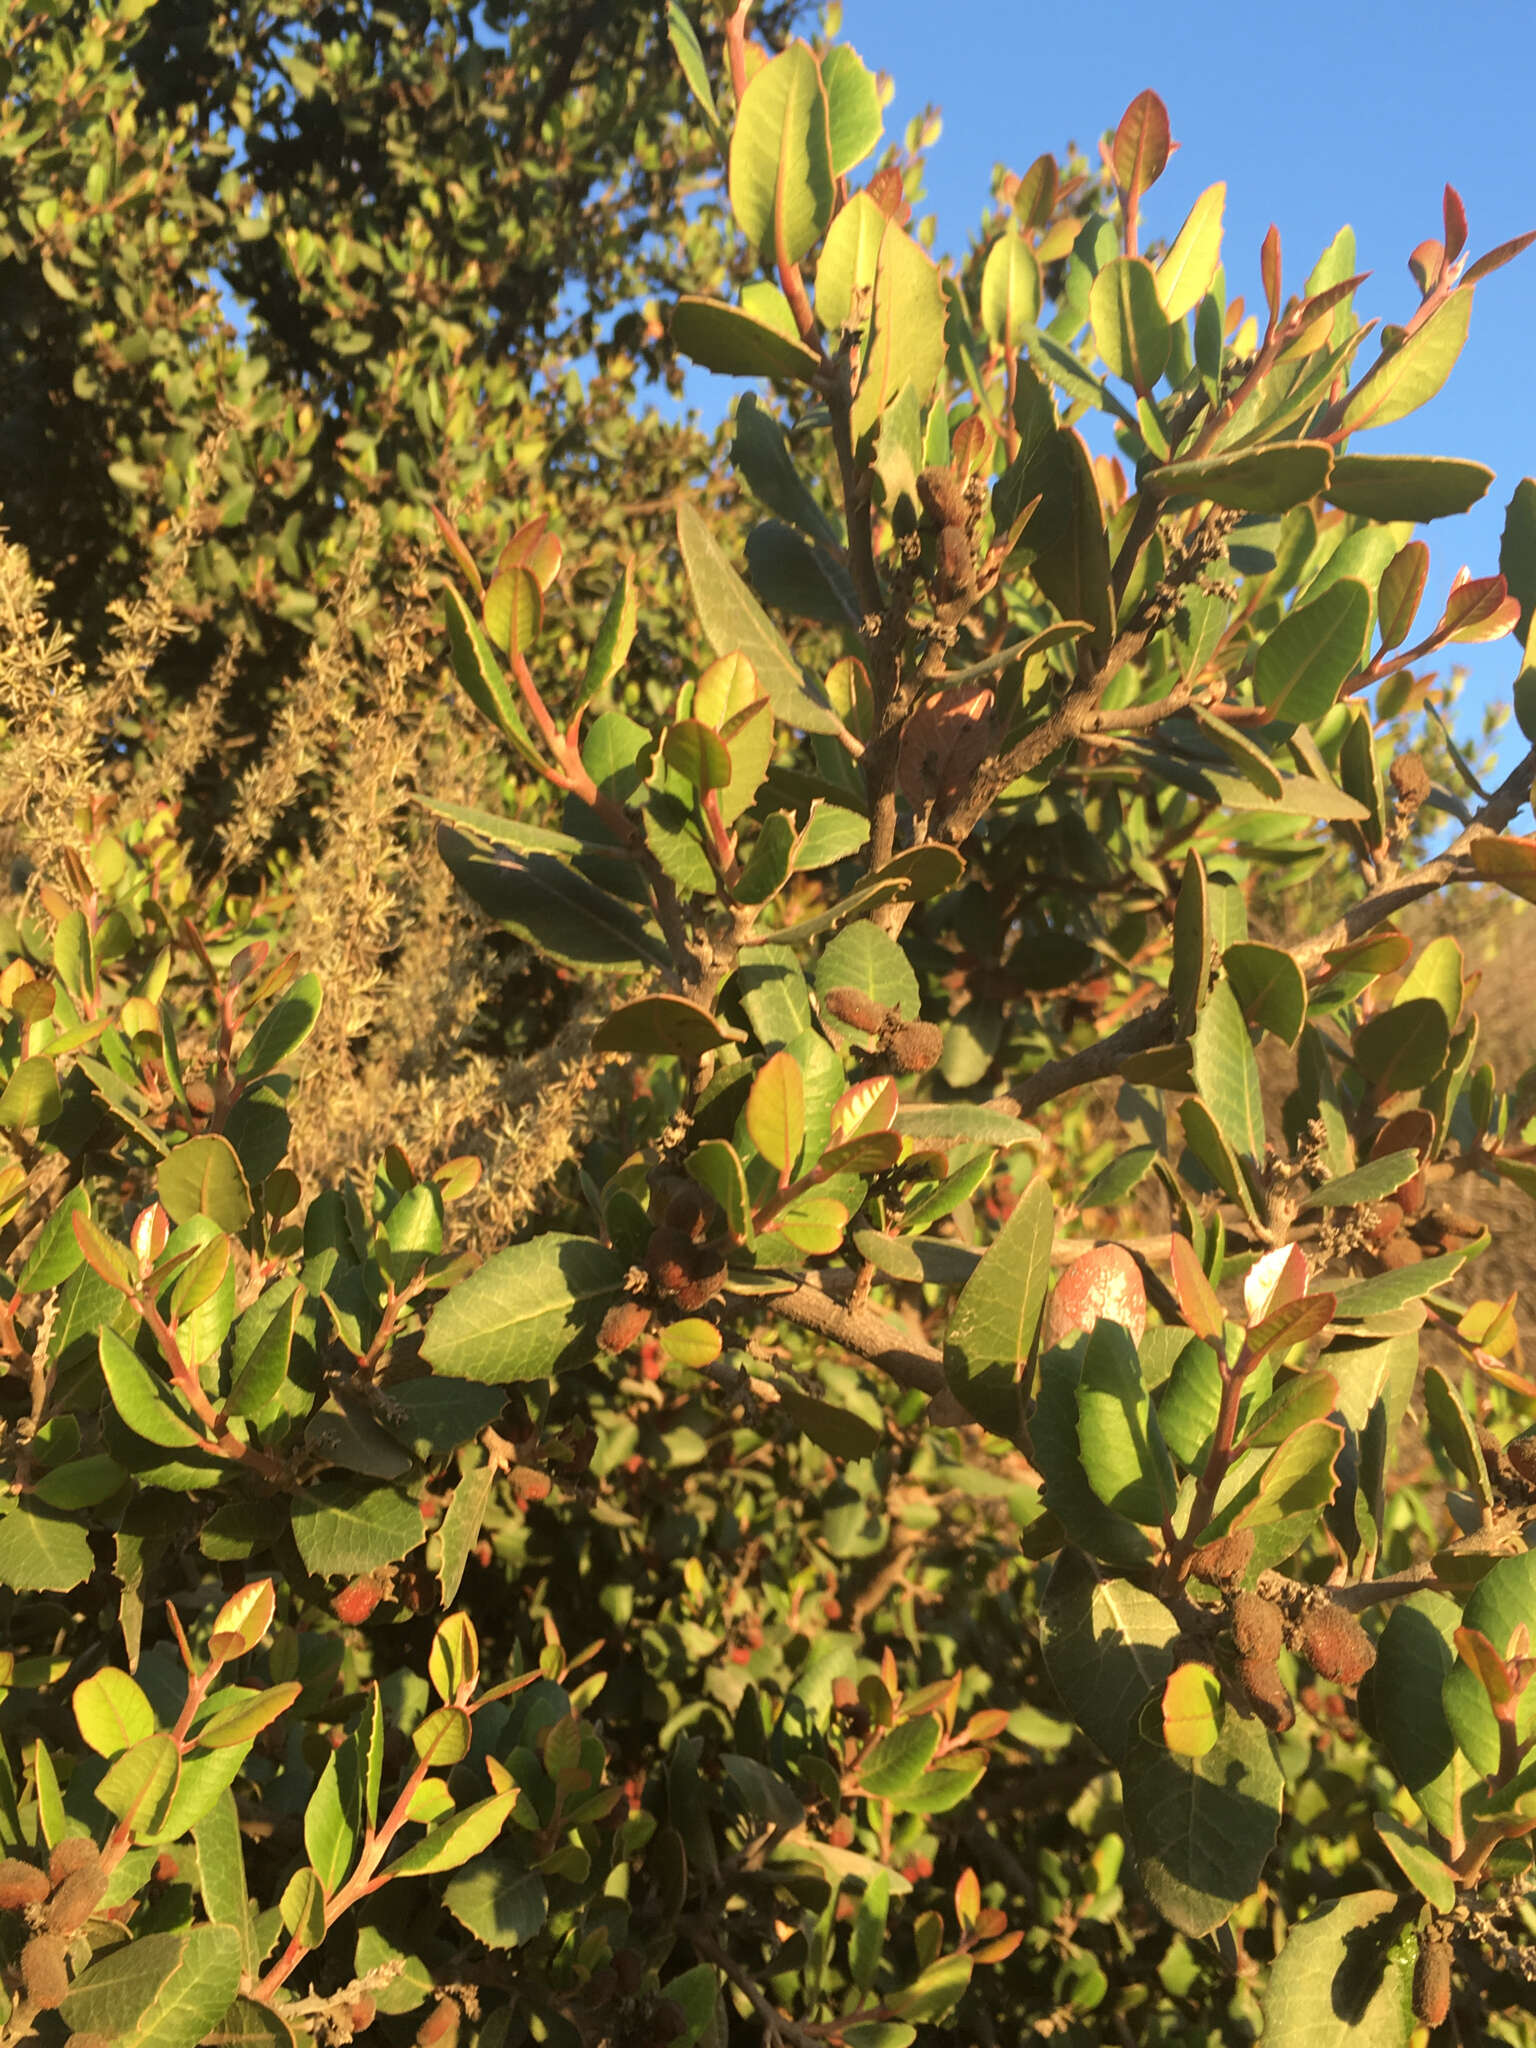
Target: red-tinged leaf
point(102, 1254)
point(1197, 1298)
point(514, 609)
point(1293, 1324)
point(1428, 266)
point(1509, 862)
point(867, 1107)
point(1269, 267)
point(460, 553)
point(1142, 144)
point(1324, 302)
point(1496, 259)
point(1275, 1281)
point(1485, 1664)
point(1455, 224)
point(1036, 194)
point(1399, 593)
point(776, 1112)
point(1480, 609)
point(536, 549)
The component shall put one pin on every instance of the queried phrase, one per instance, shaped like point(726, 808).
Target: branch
point(1385, 902)
point(905, 1358)
point(1094, 1062)
point(777, 2026)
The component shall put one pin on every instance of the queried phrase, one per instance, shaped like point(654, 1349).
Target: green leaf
point(899, 1759)
point(735, 623)
point(220, 1853)
point(1372, 1182)
point(281, 1031)
point(112, 1712)
point(698, 754)
point(333, 1819)
point(241, 1724)
point(1517, 553)
point(905, 343)
point(835, 1430)
point(853, 106)
point(1010, 291)
point(265, 1368)
point(690, 57)
point(139, 1783)
point(1108, 1648)
point(145, 1403)
point(1424, 1870)
point(1386, 1291)
point(551, 907)
point(1410, 376)
point(204, 1177)
point(1269, 986)
point(161, 1990)
point(31, 1095)
point(1313, 651)
point(781, 178)
point(42, 1550)
point(1119, 1441)
point(345, 1527)
point(1270, 479)
point(497, 1901)
point(990, 1335)
point(1130, 328)
point(1203, 1826)
point(716, 1166)
point(1185, 273)
point(1404, 1047)
point(480, 676)
point(1414, 1657)
point(1073, 571)
point(1190, 972)
point(460, 1529)
point(727, 339)
point(1191, 1710)
point(775, 1112)
point(1406, 487)
point(760, 454)
point(456, 1841)
point(1501, 1601)
point(845, 271)
point(1227, 1072)
point(529, 1311)
point(1337, 1979)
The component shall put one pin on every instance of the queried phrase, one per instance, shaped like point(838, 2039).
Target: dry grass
point(369, 726)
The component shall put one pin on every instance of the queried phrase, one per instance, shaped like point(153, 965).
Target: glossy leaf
point(781, 177)
point(529, 1311)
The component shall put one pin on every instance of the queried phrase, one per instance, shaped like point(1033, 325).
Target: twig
point(777, 2026)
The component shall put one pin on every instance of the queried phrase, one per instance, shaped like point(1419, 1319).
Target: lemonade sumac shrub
point(988, 1500)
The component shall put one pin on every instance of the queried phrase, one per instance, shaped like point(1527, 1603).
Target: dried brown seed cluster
point(909, 1048)
point(44, 1975)
point(1266, 1690)
point(1258, 1627)
point(1224, 1562)
point(687, 1273)
point(21, 1884)
point(1334, 1644)
point(852, 1007)
point(1432, 1980)
point(624, 1322)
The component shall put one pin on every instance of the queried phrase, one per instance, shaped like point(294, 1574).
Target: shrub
point(756, 1602)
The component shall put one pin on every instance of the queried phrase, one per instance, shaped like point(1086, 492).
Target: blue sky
point(1315, 114)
